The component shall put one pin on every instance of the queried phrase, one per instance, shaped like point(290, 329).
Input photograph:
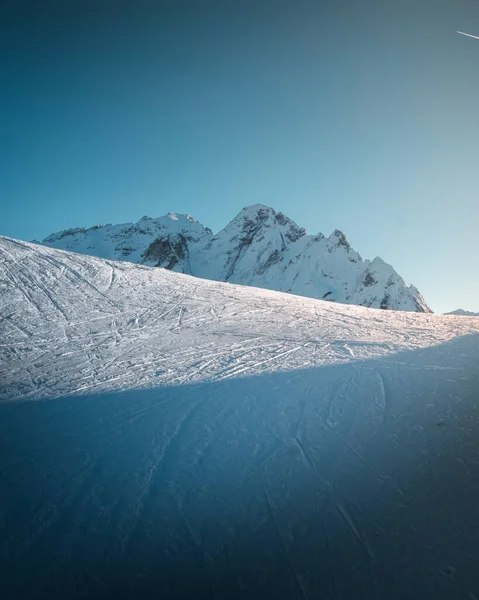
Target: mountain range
point(260, 247)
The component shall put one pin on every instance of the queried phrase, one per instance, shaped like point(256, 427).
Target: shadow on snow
point(351, 481)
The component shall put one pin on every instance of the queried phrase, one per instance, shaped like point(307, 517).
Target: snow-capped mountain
point(259, 247)
point(264, 248)
point(163, 242)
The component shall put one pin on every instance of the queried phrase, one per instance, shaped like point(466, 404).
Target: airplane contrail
point(468, 35)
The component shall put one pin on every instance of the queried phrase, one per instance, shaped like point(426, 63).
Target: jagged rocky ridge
point(259, 247)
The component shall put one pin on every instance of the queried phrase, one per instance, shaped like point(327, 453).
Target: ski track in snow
point(164, 436)
point(161, 331)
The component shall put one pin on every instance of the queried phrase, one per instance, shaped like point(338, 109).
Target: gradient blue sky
point(361, 116)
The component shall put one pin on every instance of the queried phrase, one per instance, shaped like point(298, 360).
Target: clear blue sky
point(361, 116)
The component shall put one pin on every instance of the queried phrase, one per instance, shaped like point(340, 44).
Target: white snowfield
point(76, 324)
point(164, 436)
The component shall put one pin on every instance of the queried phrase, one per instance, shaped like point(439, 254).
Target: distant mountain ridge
point(259, 247)
point(463, 313)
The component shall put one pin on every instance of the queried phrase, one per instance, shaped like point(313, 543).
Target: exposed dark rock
point(274, 257)
point(340, 239)
point(385, 302)
point(166, 252)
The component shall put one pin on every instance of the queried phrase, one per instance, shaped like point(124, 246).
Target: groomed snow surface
point(164, 436)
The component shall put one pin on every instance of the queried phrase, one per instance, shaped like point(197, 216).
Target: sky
point(358, 116)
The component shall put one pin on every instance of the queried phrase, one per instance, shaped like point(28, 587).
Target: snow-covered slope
point(93, 324)
point(279, 446)
point(260, 247)
point(463, 313)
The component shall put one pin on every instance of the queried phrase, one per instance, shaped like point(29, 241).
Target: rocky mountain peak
point(337, 238)
point(255, 219)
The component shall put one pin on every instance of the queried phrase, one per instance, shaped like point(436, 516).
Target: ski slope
point(77, 324)
point(164, 436)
